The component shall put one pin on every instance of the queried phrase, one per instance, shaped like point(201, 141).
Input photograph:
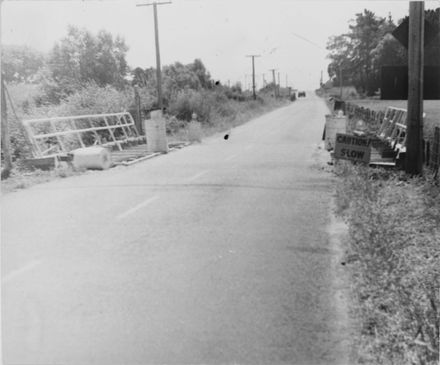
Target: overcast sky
point(289, 35)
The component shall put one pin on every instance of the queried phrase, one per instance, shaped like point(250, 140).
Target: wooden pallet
point(139, 153)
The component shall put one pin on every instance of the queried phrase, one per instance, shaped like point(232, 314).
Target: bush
point(217, 109)
point(395, 252)
point(190, 101)
point(22, 96)
point(93, 99)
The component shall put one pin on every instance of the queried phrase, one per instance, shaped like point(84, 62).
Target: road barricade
point(354, 148)
point(334, 124)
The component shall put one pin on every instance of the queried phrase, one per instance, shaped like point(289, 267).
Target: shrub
point(190, 101)
point(93, 99)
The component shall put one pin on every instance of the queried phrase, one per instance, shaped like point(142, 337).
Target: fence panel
point(60, 135)
point(435, 152)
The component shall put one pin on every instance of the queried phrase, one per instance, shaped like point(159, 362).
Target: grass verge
point(394, 261)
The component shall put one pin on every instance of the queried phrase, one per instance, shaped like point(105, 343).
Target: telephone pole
point(414, 152)
point(253, 74)
point(279, 85)
point(340, 80)
point(7, 160)
point(158, 67)
point(273, 80)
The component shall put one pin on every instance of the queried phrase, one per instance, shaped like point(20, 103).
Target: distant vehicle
point(301, 94)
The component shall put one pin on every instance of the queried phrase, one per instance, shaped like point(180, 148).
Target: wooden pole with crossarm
point(414, 150)
point(253, 74)
point(158, 67)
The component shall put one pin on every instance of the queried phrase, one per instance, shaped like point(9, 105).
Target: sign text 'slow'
point(352, 148)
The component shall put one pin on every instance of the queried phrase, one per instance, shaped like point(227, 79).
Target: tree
point(364, 35)
point(176, 77)
point(82, 57)
point(200, 70)
point(21, 63)
point(389, 52)
point(432, 51)
point(369, 45)
point(354, 50)
point(340, 48)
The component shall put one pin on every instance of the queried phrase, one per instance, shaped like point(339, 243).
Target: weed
point(394, 235)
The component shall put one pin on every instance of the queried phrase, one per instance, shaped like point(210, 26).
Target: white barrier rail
point(57, 136)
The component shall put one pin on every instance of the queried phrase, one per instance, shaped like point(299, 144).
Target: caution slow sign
point(353, 148)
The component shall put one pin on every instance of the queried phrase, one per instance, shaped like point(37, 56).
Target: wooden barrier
point(390, 127)
point(434, 160)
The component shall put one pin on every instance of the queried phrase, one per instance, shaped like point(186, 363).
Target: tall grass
point(217, 109)
point(394, 257)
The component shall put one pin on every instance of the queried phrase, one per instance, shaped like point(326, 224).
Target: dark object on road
point(301, 94)
point(293, 97)
point(226, 136)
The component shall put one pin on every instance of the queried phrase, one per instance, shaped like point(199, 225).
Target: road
point(219, 253)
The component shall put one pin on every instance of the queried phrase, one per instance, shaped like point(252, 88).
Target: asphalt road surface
point(219, 253)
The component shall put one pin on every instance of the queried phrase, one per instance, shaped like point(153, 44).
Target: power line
point(308, 40)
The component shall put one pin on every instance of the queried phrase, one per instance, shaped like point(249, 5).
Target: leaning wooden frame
point(434, 164)
point(393, 117)
point(50, 137)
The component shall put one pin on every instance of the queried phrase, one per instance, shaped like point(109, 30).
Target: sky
point(288, 35)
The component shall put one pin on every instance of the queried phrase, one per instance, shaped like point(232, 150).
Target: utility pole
point(414, 152)
point(340, 80)
point(137, 100)
point(273, 80)
point(253, 74)
point(279, 85)
point(5, 134)
point(4, 140)
point(158, 67)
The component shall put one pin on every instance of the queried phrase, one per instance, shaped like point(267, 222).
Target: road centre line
point(137, 207)
point(28, 267)
point(196, 176)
